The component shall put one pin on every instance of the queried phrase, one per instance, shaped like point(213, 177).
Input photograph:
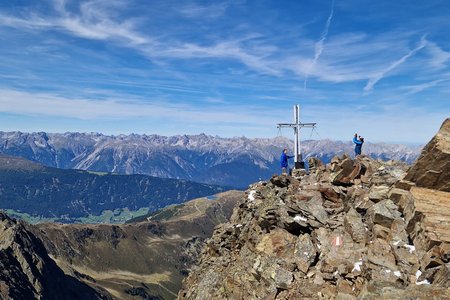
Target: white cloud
point(228, 49)
point(334, 122)
point(95, 21)
point(351, 57)
point(438, 56)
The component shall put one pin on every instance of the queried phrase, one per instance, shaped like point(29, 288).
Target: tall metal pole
point(296, 148)
point(300, 164)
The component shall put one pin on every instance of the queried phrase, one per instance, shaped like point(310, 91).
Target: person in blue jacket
point(284, 161)
point(358, 144)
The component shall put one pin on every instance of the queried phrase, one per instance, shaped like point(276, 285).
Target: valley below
point(38, 193)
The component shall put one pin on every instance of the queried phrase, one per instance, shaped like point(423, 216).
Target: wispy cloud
point(193, 10)
point(92, 22)
point(439, 57)
point(349, 57)
point(319, 46)
point(228, 49)
point(417, 88)
point(378, 76)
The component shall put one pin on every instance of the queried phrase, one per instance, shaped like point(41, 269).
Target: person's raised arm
point(355, 140)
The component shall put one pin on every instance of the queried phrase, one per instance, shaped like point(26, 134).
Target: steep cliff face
point(350, 229)
point(27, 272)
point(432, 168)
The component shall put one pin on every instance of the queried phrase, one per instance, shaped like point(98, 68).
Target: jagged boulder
point(432, 168)
point(345, 170)
point(383, 213)
point(378, 193)
point(354, 225)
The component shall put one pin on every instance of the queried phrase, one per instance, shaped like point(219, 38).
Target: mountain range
point(67, 195)
point(236, 162)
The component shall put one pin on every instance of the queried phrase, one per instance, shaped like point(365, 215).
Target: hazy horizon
point(219, 136)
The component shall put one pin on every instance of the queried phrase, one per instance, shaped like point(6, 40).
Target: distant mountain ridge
point(67, 195)
point(236, 161)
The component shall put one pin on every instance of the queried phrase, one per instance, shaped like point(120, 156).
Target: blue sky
point(228, 68)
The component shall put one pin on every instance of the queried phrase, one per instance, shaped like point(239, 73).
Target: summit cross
point(297, 125)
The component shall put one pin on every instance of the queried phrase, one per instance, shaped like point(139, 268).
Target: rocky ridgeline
point(28, 272)
point(355, 228)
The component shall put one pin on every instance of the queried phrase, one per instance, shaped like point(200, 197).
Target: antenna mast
point(297, 125)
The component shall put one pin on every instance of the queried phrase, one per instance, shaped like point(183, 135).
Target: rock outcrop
point(351, 230)
point(27, 272)
point(432, 168)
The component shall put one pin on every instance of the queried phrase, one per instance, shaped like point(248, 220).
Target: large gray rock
point(383, 213)
point(354, 226)
point(378, 193)
point(305, 252)
point(432, 168)
point(380, 253)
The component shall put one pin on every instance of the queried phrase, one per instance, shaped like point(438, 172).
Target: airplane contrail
point(319, 44)
point(372, 81)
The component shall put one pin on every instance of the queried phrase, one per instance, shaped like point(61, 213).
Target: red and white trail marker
point(337, 241)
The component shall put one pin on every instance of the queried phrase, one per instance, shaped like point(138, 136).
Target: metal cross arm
point(294, 125)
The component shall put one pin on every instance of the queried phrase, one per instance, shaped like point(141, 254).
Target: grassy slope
point(150, 257)
point(37, 193)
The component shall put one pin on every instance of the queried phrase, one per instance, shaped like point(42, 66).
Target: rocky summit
point(351, 229)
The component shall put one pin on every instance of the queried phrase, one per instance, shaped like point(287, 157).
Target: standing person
point(284, 161)
point(358, 144)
